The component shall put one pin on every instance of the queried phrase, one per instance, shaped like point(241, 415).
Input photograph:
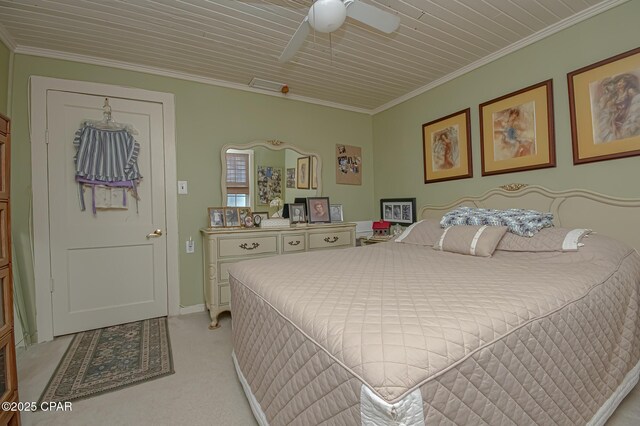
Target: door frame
point(39, 87)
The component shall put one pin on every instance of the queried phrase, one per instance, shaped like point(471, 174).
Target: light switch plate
point(182, 187)
point(191, 246)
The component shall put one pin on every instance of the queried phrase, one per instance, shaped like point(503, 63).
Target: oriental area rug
point(111, 358)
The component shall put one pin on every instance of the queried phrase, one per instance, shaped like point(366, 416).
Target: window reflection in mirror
point(255, 176)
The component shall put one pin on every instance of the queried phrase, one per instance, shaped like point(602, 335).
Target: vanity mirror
point(255, 173)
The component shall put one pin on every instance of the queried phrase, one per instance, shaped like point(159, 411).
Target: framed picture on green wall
point(516, 131)
point(604, 101)
point(446, 147)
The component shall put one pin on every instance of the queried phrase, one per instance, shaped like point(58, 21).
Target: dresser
point(224, 247)
point(8, 374)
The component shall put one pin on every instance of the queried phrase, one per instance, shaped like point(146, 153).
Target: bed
point(399, 333)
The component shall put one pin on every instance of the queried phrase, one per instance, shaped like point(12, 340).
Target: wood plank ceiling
point(235, 41)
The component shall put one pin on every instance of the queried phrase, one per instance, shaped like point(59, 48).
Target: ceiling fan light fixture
point(326, 16)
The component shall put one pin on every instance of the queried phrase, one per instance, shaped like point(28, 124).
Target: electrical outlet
point(182, 187)
point(191, 246)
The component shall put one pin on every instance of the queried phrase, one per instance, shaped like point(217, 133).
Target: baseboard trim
point(185, 310)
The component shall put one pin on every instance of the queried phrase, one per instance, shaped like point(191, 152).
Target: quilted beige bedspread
point(517, 338)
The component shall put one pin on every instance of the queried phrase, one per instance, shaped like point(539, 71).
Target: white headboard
point(575, 208)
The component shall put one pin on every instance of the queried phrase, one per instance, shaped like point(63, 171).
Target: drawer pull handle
point(331, 240)
point(246, 247)
point(294, 243)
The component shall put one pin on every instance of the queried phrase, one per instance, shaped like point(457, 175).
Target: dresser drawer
point(248, 246)
point(330, 239)
point(293, 243)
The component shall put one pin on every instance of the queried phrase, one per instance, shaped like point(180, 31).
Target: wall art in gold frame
point(516, 131)
point(446, 147)
point(604, 101)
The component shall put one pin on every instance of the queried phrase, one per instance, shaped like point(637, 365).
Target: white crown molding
point(6, 38)
point(546, 32)
point(55, 54)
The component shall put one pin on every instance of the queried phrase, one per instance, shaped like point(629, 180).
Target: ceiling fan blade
point(296, 41)
point(372, 16)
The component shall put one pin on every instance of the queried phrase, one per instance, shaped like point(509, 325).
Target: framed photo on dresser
point(318, 208)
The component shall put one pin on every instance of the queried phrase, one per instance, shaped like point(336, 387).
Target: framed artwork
point(314, 172)
point(243, 214)
point(302, 174)
point(291, 177)
point(269, 184)
point(348, 165)
point(258, 217)
point(296, 213)
point(318, 208)
point(335, 212)
point(231, 217)
point(398, 210)
point(446, 147)
point(516, 131)
point(604, 103)
point(216, 217)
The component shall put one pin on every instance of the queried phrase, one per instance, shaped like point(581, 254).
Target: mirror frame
point(273, 144)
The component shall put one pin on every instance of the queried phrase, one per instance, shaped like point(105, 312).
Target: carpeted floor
point(204, 391)
point(111, 358)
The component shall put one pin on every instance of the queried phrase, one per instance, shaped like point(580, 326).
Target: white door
point(105, 268)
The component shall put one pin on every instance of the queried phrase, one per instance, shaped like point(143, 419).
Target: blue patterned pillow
point(518, 221)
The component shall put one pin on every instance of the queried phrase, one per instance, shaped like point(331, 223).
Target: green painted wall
point(397, 132)
point(5, 55)
point(207, 117)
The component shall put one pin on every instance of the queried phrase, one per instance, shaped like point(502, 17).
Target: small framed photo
point(296, 213)
point(398, 210)
point(291, 177)
point(258, 217)
point(248, 222)
point(303, 180)
point(231, 217)
point(446, 147)
point(243, 213)
point(605, 108)
point(318, 208)
point(216, 217)
point(335, 212)
point(516, 131)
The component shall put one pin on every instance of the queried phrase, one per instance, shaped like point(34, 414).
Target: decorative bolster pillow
point(473, 240)
point(548, 239)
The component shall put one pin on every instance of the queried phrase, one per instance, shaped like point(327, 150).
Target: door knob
point(155, 234)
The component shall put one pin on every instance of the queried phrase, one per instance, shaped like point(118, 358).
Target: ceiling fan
point(326, 16)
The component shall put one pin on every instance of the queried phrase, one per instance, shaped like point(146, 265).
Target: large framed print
point(516, 131)
point(446, 147)
point(604, 104)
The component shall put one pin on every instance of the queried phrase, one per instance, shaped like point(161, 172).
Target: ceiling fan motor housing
point(326, 16)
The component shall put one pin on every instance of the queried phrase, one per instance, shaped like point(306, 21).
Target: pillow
point(423, 233)
point(548, 239)
point(521, 222)
point(473, 240)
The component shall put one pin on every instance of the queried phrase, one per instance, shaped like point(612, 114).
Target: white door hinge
point(46, 136)
point(51, 284)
